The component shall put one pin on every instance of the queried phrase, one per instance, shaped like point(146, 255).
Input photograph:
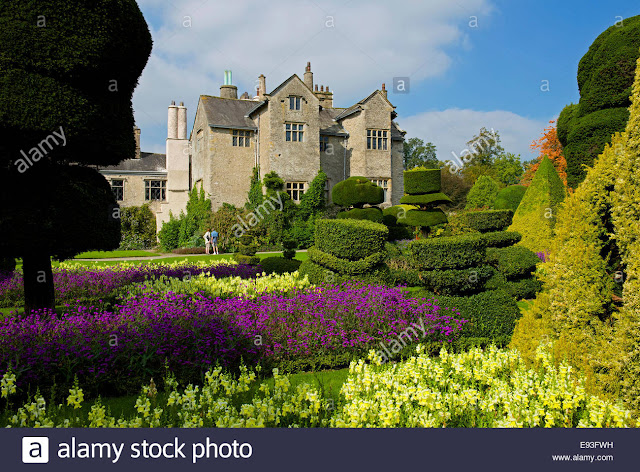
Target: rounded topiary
point(483, 193)
point(350, 239)
point(356, 192)
point(424, 218)
point(279, 265)
point(509, 197)
point(484, 221)
point(422, 181)
point(454, 252)
point(425, 199)
point(289, 247)
point(371, 214)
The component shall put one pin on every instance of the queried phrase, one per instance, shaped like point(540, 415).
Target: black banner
point(319, 449)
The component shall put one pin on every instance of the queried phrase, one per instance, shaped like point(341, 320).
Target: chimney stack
point(172, 121)
point(384, 91)
point(262, 86)
point(308, 76)
point(182, 121)
point(228, 90)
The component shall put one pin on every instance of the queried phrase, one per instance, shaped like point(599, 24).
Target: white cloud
point(353, 47)
point(451, 129)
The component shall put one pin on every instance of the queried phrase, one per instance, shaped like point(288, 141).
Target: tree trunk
point(38, 282)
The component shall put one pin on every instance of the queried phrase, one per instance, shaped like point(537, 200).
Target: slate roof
point(396, 131)
point(228, 113)
point(149, 162)
point(328, 125)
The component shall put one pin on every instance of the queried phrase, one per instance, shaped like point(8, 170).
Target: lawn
point(114, 254)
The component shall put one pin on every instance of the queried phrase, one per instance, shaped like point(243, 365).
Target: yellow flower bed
point(491, 388)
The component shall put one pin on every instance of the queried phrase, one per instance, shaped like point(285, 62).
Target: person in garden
point(214, 241)
point(207, 242)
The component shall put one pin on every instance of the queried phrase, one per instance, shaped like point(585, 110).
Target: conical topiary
point(535, 217)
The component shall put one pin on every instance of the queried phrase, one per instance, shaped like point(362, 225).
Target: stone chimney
point(324, 96)
point(384, 90)
point(136, 133)
point(172, 121)
point(308, 76)
point(182, 121)
point(262, 86)
point(228, 90)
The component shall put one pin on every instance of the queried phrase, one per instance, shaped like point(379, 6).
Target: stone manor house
point(294, 130)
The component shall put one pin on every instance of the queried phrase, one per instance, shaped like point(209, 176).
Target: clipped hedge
point(513, 262)
point(350, 239)
point(395, 215)
point(422, 181)
point(371, 214)
point(318, 274)
point(448, 252)
point(357, 191)
point(456, 281)
point(244, 259)
point(509, 197)
point(522, 289)
point(485, 221)
point(502, 238)
point(279, 265)
point(426, 199)
point(491, 314)
point(429, 218)
point(344, 266)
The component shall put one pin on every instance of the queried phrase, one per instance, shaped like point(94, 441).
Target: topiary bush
point(454, 252)
point(350, 239)
point(513, 262)
point(347, 249)
point(422, 181)
point(605, 77)
point(509, 197)
point(502, 238)
point(484, 221)
point(279, 265)
point(356, 192)
point(138, 226)
point(289, 247)
point(483, 193)
point(372, 214)
point(456, 281)
point(536, 215)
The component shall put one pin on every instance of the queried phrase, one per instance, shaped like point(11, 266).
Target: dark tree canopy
point(72, 64)
point(605, 77)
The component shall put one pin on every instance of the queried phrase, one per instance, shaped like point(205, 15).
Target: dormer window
point(295, 103)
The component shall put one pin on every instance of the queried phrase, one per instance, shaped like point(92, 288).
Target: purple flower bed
point(91, 284)
point(543, 255)
point(116, 352)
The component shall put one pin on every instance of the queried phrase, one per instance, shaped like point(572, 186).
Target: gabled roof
point(294, 76)
point(358, 106)
point(228, 113)
point(328, 123)
point(149, 162)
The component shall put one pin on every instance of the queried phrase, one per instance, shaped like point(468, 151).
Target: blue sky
point(463, 76)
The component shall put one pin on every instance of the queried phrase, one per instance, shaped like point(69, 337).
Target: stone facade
point(294, 131)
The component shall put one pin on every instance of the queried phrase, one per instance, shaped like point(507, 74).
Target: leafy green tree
point(138, 228)
point(508, 168)
point(68, 70)
point(194, 222)
point(483, 149)
point(313, 201)
point(483, 193)
point(419, 154)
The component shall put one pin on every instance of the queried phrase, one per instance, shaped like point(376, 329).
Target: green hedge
point(431, 217)
point(356, 191)
point(318, 274)
point(371, 214)
point(390, 215)
point(513, 262)
point(422, 181)
point(485, 221)
point(344, 266)
point(398, 233)
point(491, 314)
point(408, 277)
point(523, 289)
point(279, 265)
point(509, 197)
point(502, 238)
point(454, 252)
point(243, 259)
point(426, 199)
point(456, 281)
point(350, 239)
